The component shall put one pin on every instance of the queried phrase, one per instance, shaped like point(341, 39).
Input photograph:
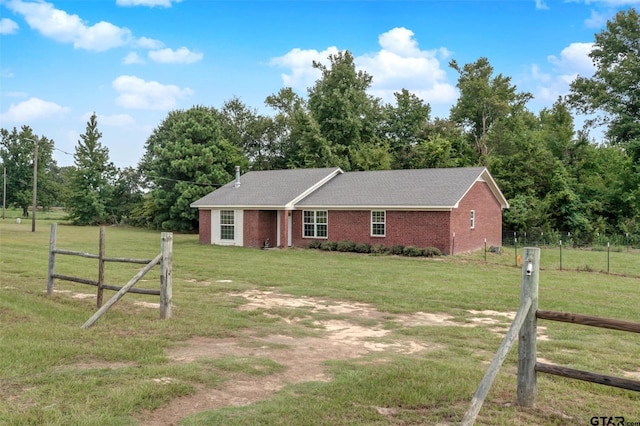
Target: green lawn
point(52, 372)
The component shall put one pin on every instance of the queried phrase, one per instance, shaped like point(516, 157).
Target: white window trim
point(233, 216)
point(238, 217)
point(384, 234)
point(315, 224)
point(472, 217)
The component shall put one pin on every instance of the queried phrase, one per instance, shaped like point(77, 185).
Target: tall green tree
point(557, 125)
point(186, 157)
point(127, 194)
point(17, 152)
point(348, 118)
point(283, 139)
point(251, 132)
point(92, 179)
point(613, 91)
point(484, 101)
point(404, 124)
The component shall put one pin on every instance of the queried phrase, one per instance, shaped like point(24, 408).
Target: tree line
point(556, 178)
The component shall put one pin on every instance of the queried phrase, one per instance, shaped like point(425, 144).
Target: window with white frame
point(472, 218)
point(227, 225)
point(378, 223)
point(314, 224)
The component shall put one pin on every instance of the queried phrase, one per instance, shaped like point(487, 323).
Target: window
point(378, 220)
point(227, 225)
point(314, 224)
point(472, 218)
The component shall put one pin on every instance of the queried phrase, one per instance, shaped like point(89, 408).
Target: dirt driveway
point(303, 358)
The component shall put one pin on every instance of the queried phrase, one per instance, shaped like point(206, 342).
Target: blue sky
point(133, 61)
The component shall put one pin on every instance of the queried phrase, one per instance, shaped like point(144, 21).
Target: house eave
point(376, 207)
point(239, 207)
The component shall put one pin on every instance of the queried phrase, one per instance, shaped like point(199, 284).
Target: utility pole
point(4, 191)
point(35, 182)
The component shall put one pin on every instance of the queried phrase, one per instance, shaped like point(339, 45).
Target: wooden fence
point(164, 259)
point(525, 326)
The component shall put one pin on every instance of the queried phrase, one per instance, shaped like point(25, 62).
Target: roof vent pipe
point(237, 183)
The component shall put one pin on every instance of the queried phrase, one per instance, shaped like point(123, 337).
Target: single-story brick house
point(453, 209)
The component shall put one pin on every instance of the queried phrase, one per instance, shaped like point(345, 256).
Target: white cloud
point(596, 20)
point(541, 5)
point(573, 60)
point(136, 93)
point(132, 58)
point(400, 41)
point(31, 109)
point(299, 61)
point(7, 26)
point(148, 43)
point(63, 27)
point(148, 3)
point(66, 28)
point(170, 56)
point(400, 64)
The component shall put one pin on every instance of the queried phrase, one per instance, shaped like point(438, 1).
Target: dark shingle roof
point(268, 188)
point(332, 188)
point(418, 188)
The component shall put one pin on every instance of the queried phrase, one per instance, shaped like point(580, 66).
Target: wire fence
point(567, 239)
point(608, 254)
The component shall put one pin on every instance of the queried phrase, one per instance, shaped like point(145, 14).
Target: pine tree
point(92, 180)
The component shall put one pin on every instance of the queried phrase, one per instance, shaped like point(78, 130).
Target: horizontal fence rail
point(587, 376)
point(104, 259)
point(592, 321)
point(105, 286)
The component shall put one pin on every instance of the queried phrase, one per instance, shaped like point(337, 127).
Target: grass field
point(125, 371)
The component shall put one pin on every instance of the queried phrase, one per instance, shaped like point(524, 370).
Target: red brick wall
point(488, 223)
point(422, 229)
point(258, 225)
point(204, 226)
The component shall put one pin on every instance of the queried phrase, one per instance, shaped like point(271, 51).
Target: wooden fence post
point(527, 339)
point(101, 252)
point(52, 258)
point(166, 292)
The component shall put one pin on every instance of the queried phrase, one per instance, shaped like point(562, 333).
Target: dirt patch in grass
point(342, 335)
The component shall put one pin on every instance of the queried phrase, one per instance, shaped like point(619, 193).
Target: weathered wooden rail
point(587, 376)
point(164, 259)
point(525, 325)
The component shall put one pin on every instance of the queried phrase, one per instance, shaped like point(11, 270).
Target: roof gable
point(267, 188)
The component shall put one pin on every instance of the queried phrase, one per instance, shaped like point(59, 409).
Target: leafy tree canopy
point(614, 89)
point(186, 157)
point(17, 151)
